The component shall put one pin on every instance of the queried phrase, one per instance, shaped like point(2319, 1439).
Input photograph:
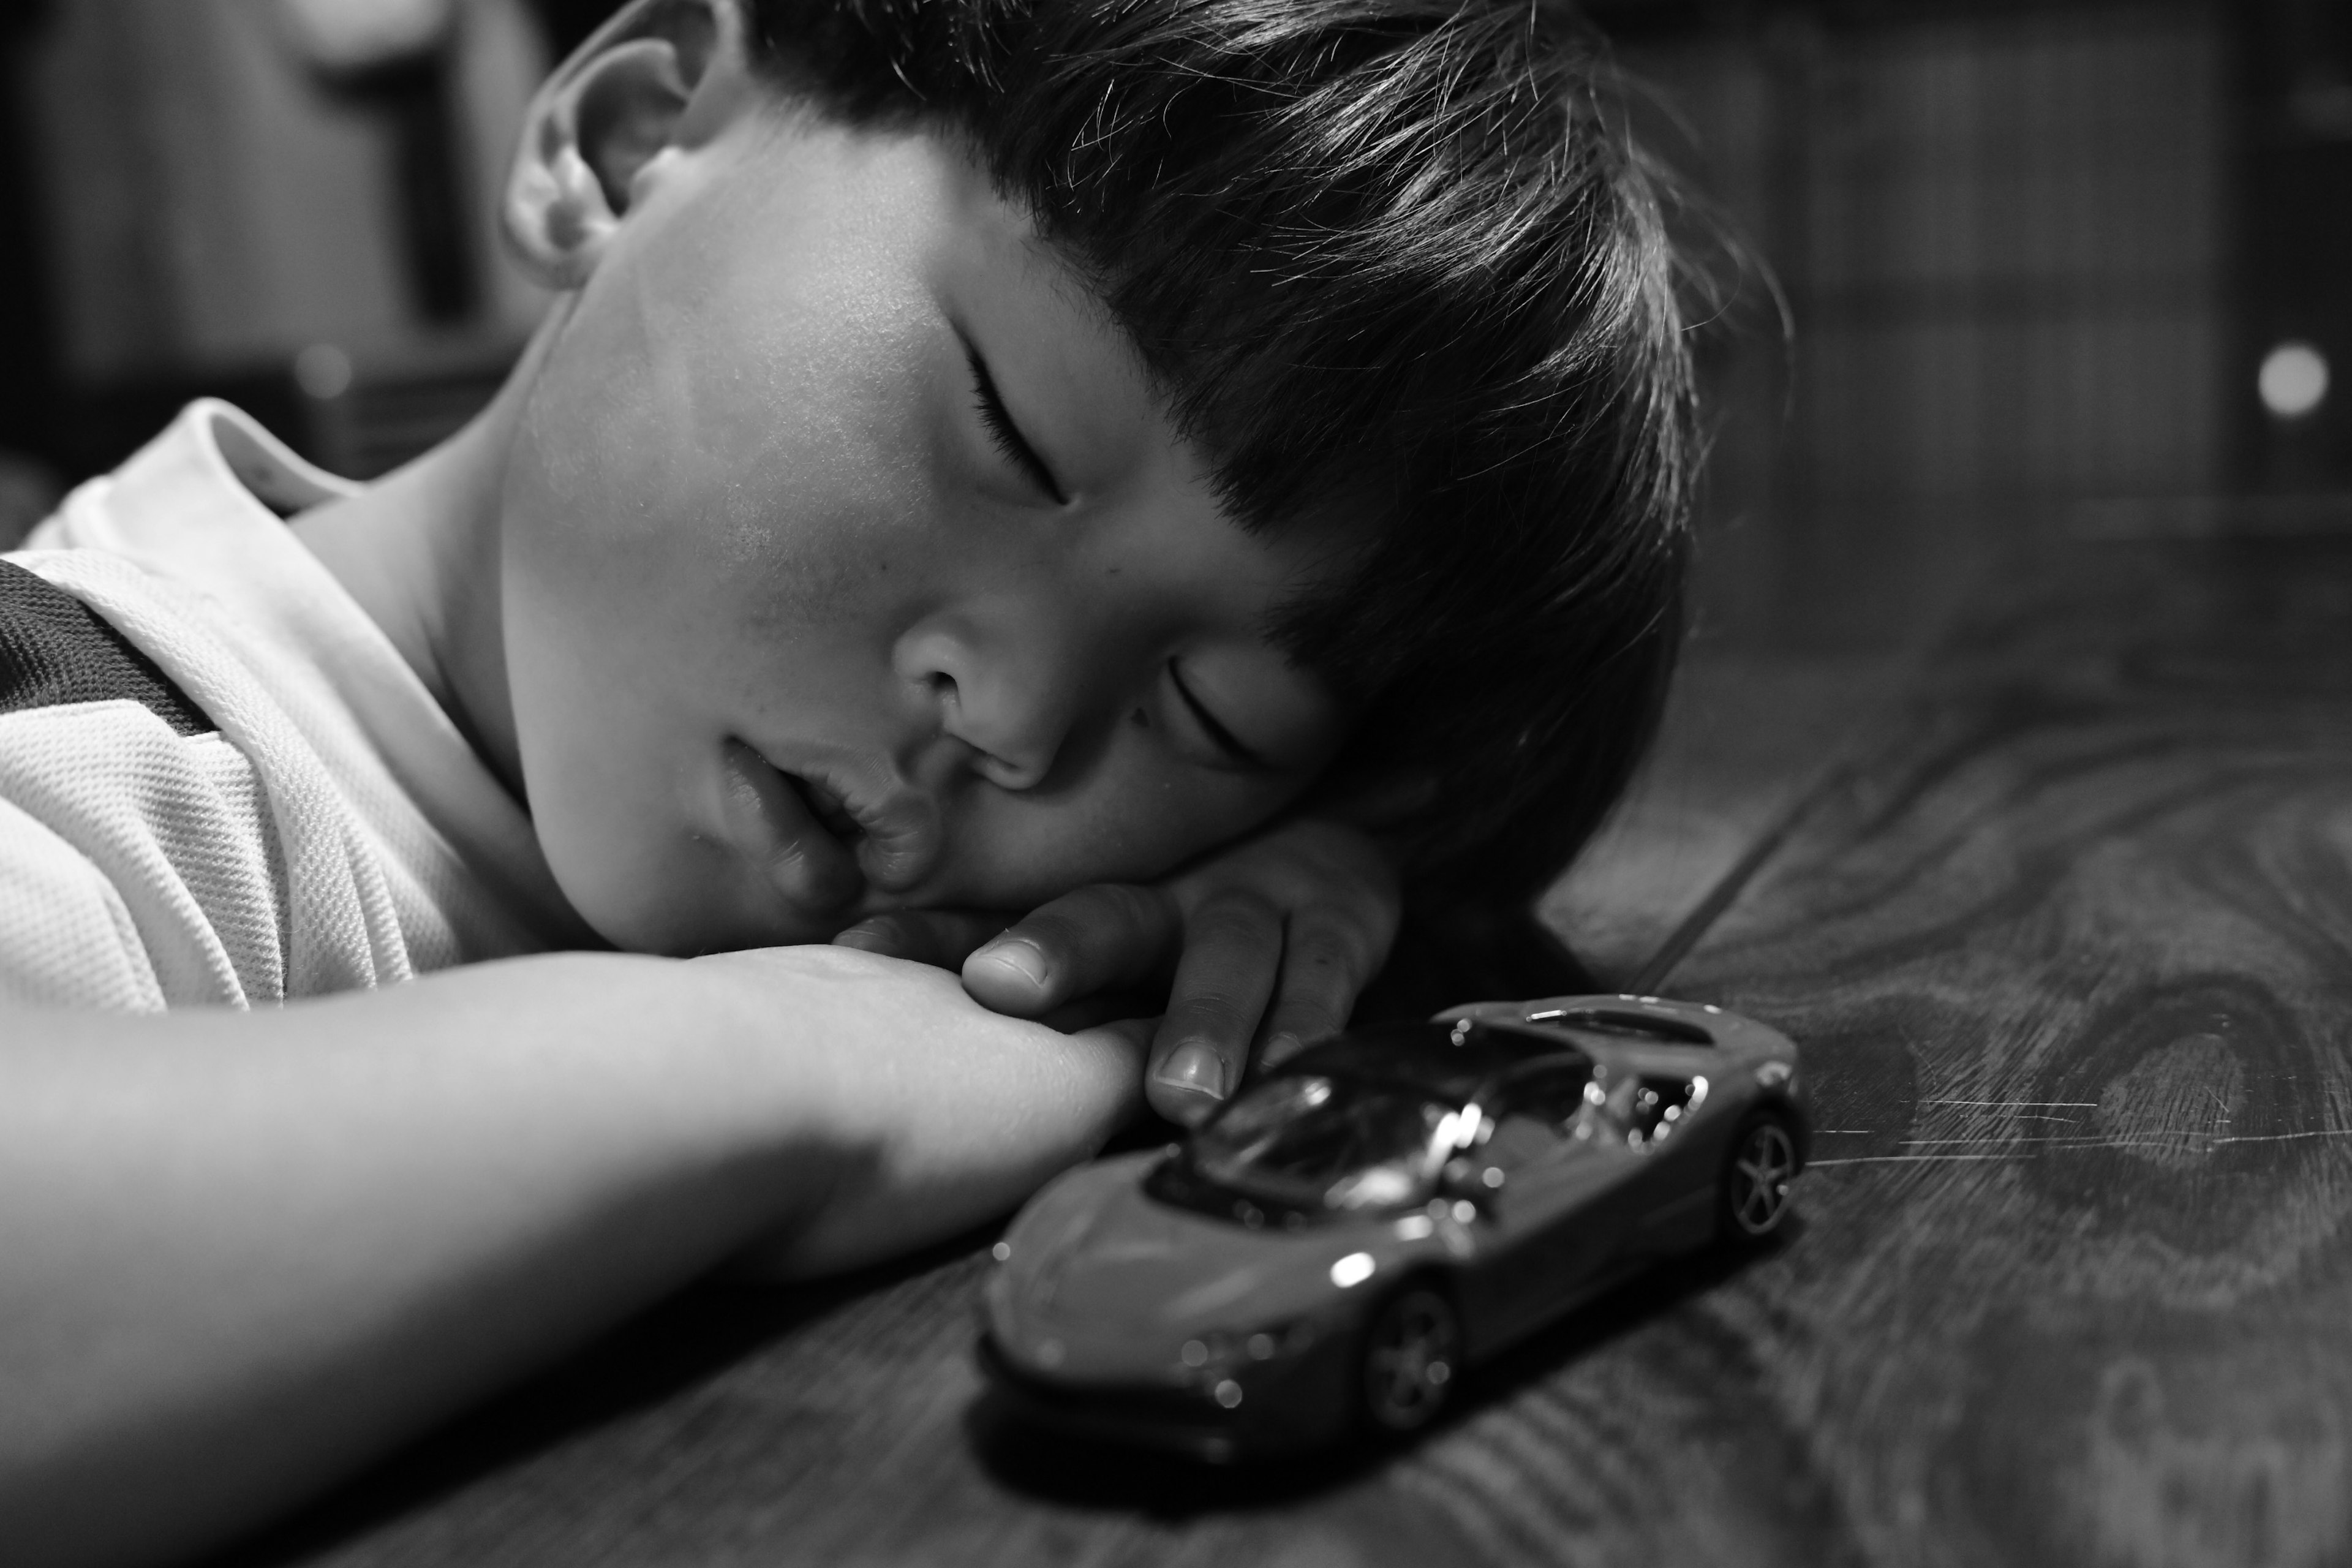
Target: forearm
point(240, 1253)
point(237, 1251)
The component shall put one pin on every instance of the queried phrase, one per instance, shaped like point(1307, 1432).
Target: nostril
point(1010, 775)
point(988, 697)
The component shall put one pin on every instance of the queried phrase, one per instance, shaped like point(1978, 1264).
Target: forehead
point(1050, 329)
point(804, 293)
point(1049, 337)
point(911, 223)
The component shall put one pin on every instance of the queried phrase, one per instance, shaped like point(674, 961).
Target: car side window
point(1533, 1118)
point(1639, 1111)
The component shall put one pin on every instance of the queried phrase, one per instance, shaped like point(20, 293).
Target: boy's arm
point(241, 1253)
point(1266, 942)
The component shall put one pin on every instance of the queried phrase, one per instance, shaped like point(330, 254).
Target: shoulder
point(139, 866)
point(56, 650)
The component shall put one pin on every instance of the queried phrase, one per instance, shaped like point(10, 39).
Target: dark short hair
point(1394, 259)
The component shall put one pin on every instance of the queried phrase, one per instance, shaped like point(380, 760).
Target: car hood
point(1103, 1281)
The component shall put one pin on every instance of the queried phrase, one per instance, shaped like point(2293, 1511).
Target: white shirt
point(334, 830)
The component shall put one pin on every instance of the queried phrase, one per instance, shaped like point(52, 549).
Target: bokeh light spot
point(323, 370)
point(2294, 380)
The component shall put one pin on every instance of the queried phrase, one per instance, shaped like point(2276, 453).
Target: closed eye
point(1005, 434)
point(1225, 740)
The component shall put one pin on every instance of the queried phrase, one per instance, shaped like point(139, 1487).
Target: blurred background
point(2050, 266)
point(286, 203)
point(2024, 270)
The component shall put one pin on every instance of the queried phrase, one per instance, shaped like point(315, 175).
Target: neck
point(419, 551)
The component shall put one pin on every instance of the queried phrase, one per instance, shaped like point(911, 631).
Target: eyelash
point(1004, 435)
point(1224, 738)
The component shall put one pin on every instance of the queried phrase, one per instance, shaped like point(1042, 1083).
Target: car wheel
point(1756, 1177)
point(1413, 1356)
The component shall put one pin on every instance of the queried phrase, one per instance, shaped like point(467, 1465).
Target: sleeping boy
point(1161, 475)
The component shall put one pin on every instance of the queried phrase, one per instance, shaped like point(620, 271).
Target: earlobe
point(606, 116)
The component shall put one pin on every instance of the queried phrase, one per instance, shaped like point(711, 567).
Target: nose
point(1009, 683)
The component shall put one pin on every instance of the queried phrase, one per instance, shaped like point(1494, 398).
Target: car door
point(1547, 1200)
point(1672, 1199)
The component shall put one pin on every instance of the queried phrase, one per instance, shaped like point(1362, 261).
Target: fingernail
point(1279, 1047)
point(868, 936)
point(1196, 1069)
point(1019, 956)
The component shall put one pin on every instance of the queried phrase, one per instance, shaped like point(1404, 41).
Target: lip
point(776, 827)
point(821, 835)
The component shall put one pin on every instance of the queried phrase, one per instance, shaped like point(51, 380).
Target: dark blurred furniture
point(28, 368)
point(2294, 234)
point(2067, 944)
point(569, 22)
point(208, 197)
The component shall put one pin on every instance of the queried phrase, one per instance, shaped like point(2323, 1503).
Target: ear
point(656, 77)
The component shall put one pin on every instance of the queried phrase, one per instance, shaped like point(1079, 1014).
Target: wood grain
point(2070, 959)
point(2068, 955)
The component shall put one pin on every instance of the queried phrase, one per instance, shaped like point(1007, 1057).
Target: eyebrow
point(1004, 431)
point(1225, 739)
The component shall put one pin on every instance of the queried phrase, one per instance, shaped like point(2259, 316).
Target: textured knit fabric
point(303, 818)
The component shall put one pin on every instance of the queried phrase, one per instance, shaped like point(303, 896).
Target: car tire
point(1410, 1358)
point(1752, 1200)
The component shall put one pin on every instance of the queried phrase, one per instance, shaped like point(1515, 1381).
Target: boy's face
point(802, 623)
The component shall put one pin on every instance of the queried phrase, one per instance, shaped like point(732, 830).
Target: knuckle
point(1224, 992)
point(1219, 1024)
point(1049, 930)
point(1319, 981)
point(1314, 1012)
point(1326, 945)
point(1106, 912)
point(1235, 914)
point(1132, 908)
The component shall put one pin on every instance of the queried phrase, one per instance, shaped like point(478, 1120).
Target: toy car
point(1383, 1209)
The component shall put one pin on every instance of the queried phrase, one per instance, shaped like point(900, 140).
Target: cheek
point(702, 496)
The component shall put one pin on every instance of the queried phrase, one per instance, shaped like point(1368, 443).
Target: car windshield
point(1310, 1139)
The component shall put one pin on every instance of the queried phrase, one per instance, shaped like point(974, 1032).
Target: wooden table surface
point(2067, 942)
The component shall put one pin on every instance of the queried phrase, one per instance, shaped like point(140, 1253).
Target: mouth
point(821, 841)
point(827, 806)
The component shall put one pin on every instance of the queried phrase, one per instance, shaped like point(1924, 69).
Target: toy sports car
point(1382, 1209)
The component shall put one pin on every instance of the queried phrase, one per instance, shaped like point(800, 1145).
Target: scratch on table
point(2286, 1136)
point(1897, 1160)
point(2083, 1141)
point(2203, 1142)
point(2022, 1104)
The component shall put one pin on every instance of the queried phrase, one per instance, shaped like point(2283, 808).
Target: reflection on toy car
point(1382, 1210)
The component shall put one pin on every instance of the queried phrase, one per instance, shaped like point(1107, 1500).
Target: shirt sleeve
point(137, 866)
point(66, 938)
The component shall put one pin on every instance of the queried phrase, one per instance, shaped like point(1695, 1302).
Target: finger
point(1233, 950)
point(1324, 964)
point(1131, 1036)
point(1076, 1016)
point(1103, 938)
point(940, 936)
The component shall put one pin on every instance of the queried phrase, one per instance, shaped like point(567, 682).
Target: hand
point(923, 1113)
point(1267, 941)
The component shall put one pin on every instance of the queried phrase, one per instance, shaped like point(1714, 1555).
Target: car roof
point(1450, 1061)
